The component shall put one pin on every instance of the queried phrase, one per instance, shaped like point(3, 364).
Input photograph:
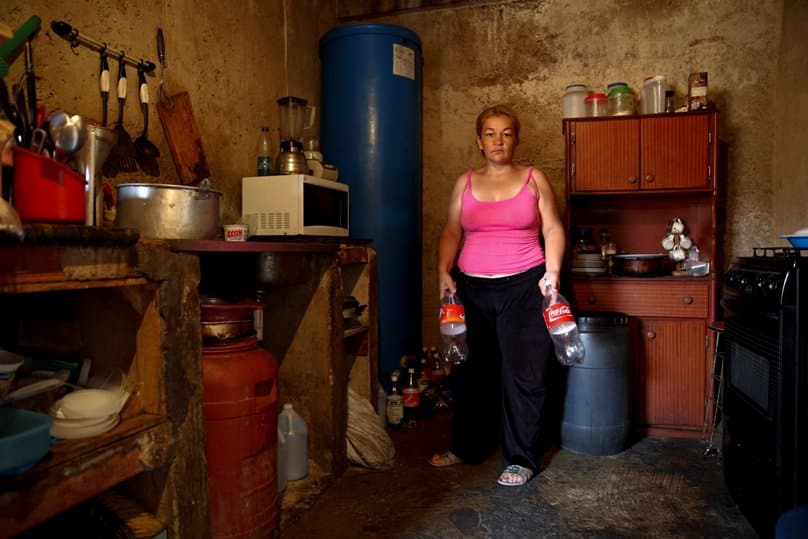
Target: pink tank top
point(500, 237)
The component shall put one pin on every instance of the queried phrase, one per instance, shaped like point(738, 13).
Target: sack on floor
point(369, 445)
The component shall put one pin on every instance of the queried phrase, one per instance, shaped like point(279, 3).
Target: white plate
point(63, 429)
point(9, 361)
point(35, 389)
point(90, 403)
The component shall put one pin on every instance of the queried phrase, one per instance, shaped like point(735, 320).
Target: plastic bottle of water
point(263, 153)
point(563, 329)
point(296, 432)
point(454, 348)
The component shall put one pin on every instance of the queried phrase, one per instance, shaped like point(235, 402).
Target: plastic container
point(452, 318)
point(24, 439)
point(46, 190)
point(296, 432)
point(596, 105)
point(371, 75)
point(596, 406)
point(281, 461)
point(263, 153)
point(573, 101)
point(653, 95)
point(241, 405)
point(9, 363)
point(621, 101)
point(560, 322)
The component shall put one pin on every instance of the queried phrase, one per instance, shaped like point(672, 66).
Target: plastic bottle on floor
point(297, 451)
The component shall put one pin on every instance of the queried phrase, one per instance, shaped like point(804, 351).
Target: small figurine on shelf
point(676, 242)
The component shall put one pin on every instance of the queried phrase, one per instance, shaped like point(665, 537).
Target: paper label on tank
point(403, 61)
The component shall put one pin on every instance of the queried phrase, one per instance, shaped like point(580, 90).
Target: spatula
point(124, 150)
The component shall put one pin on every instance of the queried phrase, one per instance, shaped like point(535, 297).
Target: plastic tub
point(621, 101)
point(653, 95)
point(24, 439)
point(573, 101)
point(596, 105)
point(45, 190)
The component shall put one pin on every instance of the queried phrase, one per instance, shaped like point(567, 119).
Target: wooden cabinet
point(631, 176)
point(641, 153)
point(127, 306)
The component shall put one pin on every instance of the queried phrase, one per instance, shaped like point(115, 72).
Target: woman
point(497, 213)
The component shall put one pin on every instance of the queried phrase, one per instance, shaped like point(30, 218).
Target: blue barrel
point(596, 406)
point(370, 127)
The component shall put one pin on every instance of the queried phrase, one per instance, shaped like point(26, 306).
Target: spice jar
point(596, 105)
point(621, 101)
point(573, 102)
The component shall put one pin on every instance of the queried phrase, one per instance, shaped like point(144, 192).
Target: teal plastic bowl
point(24, 439)
point(798, 242)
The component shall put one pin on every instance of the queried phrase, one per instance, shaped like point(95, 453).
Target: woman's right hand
point(446, 283)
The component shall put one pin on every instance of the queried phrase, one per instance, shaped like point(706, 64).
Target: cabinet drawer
point(636, 297)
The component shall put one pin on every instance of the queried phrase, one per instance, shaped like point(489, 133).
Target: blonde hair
point(499, 110)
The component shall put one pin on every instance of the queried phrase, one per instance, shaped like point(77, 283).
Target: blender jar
point(295, 115)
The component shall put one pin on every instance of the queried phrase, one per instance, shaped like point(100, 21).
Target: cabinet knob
point(591, 300)
point(688, 300)
point(632, 179)
point(649, 178)
point(651, 335)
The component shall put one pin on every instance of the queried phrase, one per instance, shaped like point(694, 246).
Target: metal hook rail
point(75, 39)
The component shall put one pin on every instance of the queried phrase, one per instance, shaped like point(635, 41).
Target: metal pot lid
point(167, 186)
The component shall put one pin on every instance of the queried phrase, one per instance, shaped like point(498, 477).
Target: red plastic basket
point(46, 190)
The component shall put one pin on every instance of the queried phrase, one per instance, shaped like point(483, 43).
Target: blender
point(295, 115)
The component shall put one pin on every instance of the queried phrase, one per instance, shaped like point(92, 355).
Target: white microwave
point(294, 205)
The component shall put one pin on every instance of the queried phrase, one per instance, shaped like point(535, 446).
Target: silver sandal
point(521, 474)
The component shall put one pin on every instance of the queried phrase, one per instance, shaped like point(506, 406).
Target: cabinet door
point(671, 379)
point(676, 152)
point(604, 155)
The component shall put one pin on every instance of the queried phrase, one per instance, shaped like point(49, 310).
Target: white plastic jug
point(294, 429)
point(281, 467)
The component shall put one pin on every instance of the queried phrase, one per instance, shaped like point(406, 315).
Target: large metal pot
point(640, 265)
point(169, 211)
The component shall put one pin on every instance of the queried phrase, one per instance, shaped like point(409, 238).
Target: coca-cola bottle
point(562, 327)
point(454, 348)
point(411, 398)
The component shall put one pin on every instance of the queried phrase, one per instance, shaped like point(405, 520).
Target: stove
point(765, 302)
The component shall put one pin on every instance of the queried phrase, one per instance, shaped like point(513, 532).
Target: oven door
point(758, 415)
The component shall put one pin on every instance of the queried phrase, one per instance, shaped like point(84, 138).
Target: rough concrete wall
point(229, 56)
point(526, 52)
point(790, 176)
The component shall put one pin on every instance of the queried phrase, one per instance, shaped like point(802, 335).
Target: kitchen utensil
point(90, 159)
point(30, 84)
point(640, 265)
point(146, 152)
point(162, 96)
point(38, 139)
point(22, 112)
point(184, 138)
point(169, 211)
point(122, 157)
point(103, 82)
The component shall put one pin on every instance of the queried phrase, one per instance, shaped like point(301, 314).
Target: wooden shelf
point(76, 470)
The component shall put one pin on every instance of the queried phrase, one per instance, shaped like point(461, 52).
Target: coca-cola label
point(452, 313)
point(556, 314)
point(411, 397)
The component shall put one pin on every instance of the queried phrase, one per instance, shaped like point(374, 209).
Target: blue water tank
point(370, 127)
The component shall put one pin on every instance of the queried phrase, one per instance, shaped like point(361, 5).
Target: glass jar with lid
point(573, 102)
point(621, 101)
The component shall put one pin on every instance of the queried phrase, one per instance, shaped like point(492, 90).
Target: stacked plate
point(86, 412)
point(589, 264)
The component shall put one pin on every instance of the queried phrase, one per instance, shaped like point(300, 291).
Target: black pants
point(499, 391)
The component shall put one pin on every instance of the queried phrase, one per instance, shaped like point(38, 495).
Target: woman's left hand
point(548, 282)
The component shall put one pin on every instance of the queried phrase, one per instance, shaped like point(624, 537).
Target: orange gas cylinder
point(241, 415)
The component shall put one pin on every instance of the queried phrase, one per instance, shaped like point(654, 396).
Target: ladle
point(146, 152)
